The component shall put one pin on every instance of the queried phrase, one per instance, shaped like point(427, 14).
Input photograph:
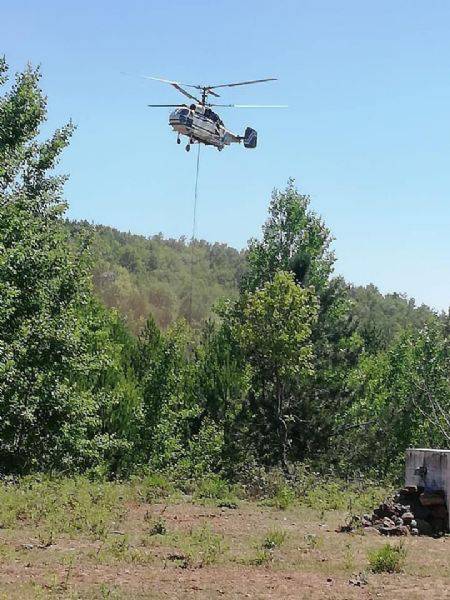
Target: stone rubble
point(411, 511)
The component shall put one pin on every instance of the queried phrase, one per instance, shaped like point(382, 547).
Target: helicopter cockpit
point(210, 114)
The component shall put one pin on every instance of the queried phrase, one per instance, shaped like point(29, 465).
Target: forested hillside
point(156, 276)
point(166, 278)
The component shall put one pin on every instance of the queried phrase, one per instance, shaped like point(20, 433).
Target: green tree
point(273, 326)
point(52, 340)
point(402, 399)
point(296, 240)
point(170, 408)
point(381, 318)
point(222, 384)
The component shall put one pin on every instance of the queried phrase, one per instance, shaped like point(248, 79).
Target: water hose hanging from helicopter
point(194, 232)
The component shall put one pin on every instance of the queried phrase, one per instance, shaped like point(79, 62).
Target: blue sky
point(366, 134)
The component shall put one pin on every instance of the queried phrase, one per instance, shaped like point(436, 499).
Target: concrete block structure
point(429, 468)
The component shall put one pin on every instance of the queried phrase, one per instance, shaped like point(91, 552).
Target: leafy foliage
point(144, 376)
point(273, 327)
point(168, 278)
point(388, 559)
point(403, 400)
point(55, 364)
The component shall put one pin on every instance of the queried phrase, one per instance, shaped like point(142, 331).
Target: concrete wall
point(429, 468)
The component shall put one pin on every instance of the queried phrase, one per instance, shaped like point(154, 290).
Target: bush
point(153, 487)
point(201, 547)
point(387, 559)
point(283, 498)
point(158, 527)
point(216, 489)
point(274, 539)
point(342, 495)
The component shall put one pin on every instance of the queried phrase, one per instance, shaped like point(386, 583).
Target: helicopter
point(199, 123)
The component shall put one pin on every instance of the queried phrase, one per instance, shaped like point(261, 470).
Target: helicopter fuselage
point(202, 125)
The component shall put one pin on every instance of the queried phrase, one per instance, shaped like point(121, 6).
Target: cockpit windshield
point(210, 114)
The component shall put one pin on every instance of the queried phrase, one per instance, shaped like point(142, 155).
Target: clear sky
point(366, 134)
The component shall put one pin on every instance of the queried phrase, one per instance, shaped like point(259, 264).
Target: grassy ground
point(76, 539)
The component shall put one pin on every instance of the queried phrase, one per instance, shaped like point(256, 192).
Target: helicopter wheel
point(188, 147)
point(178, 140)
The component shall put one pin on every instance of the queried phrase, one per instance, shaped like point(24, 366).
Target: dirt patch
point(208, 552)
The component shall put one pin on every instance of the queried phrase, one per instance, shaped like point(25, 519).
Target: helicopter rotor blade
point(213, 87)
point(205, 89)
point(167, 105)
point(169, 81)
point(176, 85)
point(251, 105)
point(187, 94)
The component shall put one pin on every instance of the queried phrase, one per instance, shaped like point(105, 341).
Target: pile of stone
point(411, 511)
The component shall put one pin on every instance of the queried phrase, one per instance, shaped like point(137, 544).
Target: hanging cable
point(194, 221)
point(194, 233)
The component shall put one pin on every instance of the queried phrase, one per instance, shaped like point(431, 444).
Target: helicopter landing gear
point(188, 147)
point(178, 140)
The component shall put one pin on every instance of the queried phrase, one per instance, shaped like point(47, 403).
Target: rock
point(386, 509)
point(27, 546)
point(395, 531)
point(407, 517)
point(411, 511)
point(372, 530)
point(411, 489)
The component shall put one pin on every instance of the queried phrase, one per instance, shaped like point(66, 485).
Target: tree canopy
point(122, 354)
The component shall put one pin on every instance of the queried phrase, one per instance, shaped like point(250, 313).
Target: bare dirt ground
point(182, 550)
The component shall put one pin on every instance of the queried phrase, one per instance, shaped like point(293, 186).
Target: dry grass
point(128, 542)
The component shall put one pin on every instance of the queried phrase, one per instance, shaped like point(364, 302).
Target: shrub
point(153, 487)
point(341, 495)
point(274, 539)
point(387, 559)
point(158, 527)
point(283, 497)
point(313, 541)
point(203, 546)
point(216, 489)
point(262, 557)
